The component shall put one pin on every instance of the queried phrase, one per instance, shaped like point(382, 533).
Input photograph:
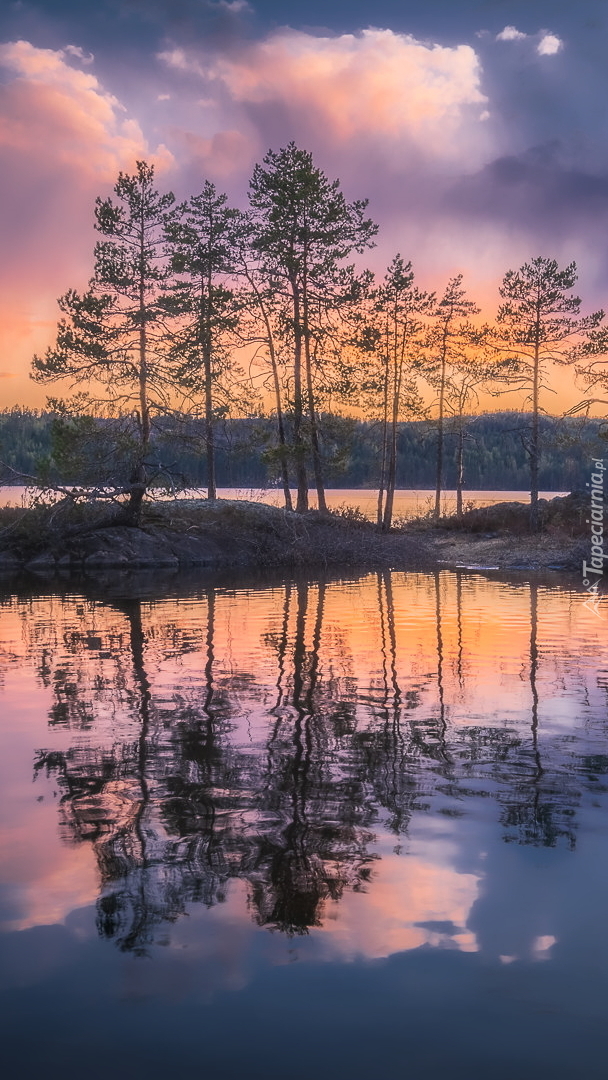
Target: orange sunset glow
point(375, 643)
point(403, 122)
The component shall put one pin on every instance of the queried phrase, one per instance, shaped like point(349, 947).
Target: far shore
point(409, 502)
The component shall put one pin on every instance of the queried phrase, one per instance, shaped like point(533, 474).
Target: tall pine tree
point(304, 230)
point(111, 339)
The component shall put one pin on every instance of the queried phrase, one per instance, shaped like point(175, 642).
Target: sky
point(477, 129)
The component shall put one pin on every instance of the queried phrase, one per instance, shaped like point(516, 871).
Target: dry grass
point(247, 534)
point(560, 516)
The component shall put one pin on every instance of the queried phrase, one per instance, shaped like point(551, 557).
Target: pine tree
point(111, 340)
point(450, 337)
point(539, 323)
point(304, 230)
point(204, 236)
point(387, 329)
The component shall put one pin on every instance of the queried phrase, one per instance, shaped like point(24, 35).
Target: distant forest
point(494, 451)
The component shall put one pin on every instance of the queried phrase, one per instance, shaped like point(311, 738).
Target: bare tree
point(450, 336)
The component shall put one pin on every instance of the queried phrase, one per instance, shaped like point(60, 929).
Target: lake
point(304, 828)
point(408, 502)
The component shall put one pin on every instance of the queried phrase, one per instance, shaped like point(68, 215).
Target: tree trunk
point(282, 439)
point(382, 480)
point(391, 479)
point(280, 424)
point(460, 470)
point(300, 464)
point(209, 432)
point(534, 444)
point(314, 433)
point(439, 473)
point(207, 362)
point(277, 394)
point(133, 510)
point(138, 477)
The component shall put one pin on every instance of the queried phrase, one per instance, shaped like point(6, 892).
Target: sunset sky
point(476, 129)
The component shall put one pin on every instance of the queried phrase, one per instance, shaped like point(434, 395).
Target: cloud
point(220, 155)
point(535, 202)
point(378, 84)
point(54, 111)
point(78, 53)
point(536, 190)
point(549, 45)
point(63, 139)
point(236, 7)
point(510, 33)
point(219, 23)
point(435, 142)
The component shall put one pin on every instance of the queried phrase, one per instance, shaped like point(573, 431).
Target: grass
point(560, 516)
point(232, 531)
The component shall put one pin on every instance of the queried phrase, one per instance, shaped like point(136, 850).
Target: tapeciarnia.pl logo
point(593, 571)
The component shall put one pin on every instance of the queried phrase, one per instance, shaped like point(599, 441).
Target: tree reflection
point(540, 803)
point(322, 846)
point(178, 801)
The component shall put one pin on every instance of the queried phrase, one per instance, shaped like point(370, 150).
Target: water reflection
point(287, 737)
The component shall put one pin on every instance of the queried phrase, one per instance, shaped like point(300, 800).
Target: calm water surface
point(408, 503)
point(305, 829)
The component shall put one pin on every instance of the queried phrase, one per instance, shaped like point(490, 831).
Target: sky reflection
point(342, 760)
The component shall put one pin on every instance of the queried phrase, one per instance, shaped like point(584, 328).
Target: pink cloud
point(63, 140)
point(52, 108)
point(398, 120)
point(220, 155)
point(376, 84)
point(395, 118)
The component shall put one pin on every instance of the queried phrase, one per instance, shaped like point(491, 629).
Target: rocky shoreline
point(228, 534)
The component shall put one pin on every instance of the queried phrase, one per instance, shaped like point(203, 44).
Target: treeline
point(494, 451)
point(213, 312)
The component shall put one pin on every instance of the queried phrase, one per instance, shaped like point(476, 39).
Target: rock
point(102, 560)
point(42, 563)
point(9, 563)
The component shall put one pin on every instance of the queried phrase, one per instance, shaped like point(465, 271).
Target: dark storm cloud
point(218, 22)
point(536, 97)
point(535, 191)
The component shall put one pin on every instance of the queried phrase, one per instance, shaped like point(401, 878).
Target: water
point(408, 503)
point(304, 828)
